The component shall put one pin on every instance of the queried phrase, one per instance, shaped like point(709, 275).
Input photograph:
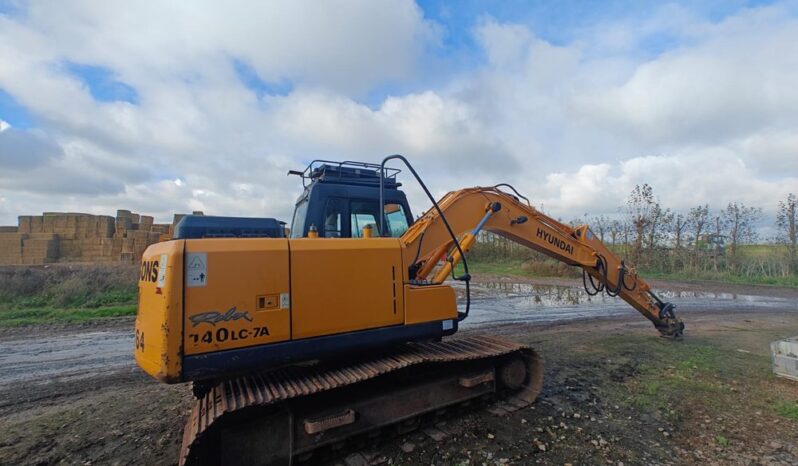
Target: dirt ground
point(614, 393)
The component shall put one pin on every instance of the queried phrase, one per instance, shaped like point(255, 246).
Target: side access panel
point(237, 293)
point(158, 337)
point(345, 284)
point(429, 303)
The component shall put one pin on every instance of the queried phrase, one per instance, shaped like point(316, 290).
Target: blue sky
point(175, 107)
point(14, 113)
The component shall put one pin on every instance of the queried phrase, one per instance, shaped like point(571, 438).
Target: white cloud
point(20, 150)
point(681, 181)
point(575, 125)
point(737, 80)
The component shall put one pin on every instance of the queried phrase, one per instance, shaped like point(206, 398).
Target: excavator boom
point(469, 211)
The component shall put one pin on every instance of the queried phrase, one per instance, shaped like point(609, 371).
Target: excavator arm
point(464, 213)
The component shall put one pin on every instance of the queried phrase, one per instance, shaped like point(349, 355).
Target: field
point(614, 391)
point(543, 267)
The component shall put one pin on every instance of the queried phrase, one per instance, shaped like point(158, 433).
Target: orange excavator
point(299, 342)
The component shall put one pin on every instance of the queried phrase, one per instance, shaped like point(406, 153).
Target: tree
point(600, 225)
point(697, 218)
point(659, 224)
point(640, 207)
point(738, 223)
point(785, 221)
point(615, 230)
point(679, 225)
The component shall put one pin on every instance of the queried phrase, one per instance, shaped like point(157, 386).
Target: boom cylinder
point(465, 244)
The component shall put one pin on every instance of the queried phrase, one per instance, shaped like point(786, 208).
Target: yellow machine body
point(208, 297)
point(230, 302)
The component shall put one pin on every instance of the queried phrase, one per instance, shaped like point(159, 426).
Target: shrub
point(62, 285)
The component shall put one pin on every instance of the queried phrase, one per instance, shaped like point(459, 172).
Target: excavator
point(297, 341)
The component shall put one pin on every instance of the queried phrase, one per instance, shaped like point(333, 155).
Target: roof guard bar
point(308, 172)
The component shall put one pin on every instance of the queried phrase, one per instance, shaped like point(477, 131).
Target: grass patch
point(519, 267)
point(545, 267)
point(691, 369)
point(787, 409)
point(67, 293)
point(31, 316)
point(499, 267)
point(722, 277)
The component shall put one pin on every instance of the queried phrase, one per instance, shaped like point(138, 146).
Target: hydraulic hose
point(466, 277)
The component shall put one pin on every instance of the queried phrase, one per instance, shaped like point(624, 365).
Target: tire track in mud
point(38, 369)
point(73, 356)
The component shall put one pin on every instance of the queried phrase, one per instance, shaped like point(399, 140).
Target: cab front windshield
point(298, 223)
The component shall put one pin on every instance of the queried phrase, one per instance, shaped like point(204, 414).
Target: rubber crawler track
point(283, 384)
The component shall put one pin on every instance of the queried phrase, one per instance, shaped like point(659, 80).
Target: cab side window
point(395, 219)
point(362, 214)
point(332, 218)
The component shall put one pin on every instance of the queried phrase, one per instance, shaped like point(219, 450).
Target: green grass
point(787, 409)
point(520, 268)
point(721, 277)
point(501, 267)
point(66, 293)
point(38, 315)
point(694, 368)
point(41, 308)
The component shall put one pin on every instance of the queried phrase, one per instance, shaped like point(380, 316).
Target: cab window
point(362, 214)
point(332, 218)
point(298, 223)
point(396, 219)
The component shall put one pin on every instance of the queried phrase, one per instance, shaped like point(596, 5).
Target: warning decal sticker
point(196, 269)
point(162, 271)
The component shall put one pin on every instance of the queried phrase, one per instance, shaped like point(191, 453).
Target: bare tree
point(738, 223)
point(615, 230)
point(697, 218)
point(785, 221)
point(639, 209)
point(660, 218)
point(718, 222)
point(600, 225)
point(679, 223)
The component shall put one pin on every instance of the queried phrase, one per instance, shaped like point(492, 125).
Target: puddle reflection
point(501, 302)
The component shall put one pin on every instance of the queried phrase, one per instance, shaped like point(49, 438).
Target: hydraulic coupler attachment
point(668, 325)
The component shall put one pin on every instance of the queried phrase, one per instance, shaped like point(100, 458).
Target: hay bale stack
point(40, 248)
point(24, 222)
point(79, 237)
point(11, 248)
point(145, 223)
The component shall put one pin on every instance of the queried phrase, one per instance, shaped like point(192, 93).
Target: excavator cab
point(341, 199)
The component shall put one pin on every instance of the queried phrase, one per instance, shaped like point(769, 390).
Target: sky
point(173, 106)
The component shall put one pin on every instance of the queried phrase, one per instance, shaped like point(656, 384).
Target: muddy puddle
point(505, 302)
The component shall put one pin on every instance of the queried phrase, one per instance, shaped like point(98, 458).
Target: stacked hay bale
point(83, 237)
point(10, 245)
point(78, 237)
